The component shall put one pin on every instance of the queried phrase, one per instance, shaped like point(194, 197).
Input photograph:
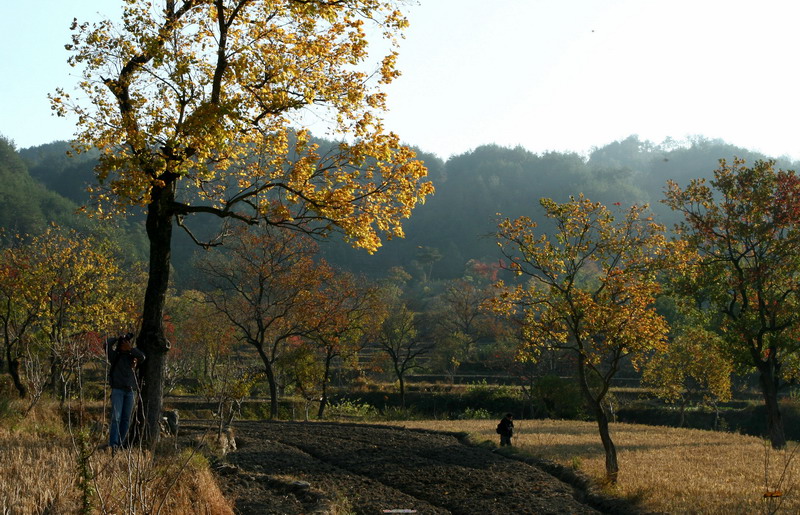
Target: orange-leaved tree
point(591, 292)
point(21, 302)
point(745, 230)
point(346, 313)
point(85, 290)
point(265, 284)
point(198, 107)
point(200, 334)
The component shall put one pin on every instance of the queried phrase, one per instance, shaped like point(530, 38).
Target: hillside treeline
point(42, 186)
point(456, 225)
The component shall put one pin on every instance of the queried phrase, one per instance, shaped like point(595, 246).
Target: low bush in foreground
point(667, 470)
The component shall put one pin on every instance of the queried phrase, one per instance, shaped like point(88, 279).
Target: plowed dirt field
point(296, 467)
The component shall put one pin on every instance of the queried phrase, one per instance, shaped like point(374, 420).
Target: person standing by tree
point(506, 429)
point(122, 378)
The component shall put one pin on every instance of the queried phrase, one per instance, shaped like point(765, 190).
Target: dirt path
point(295, 467)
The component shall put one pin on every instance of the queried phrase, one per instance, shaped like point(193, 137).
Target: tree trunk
point(682, 419)
point(402, 390)
point(13, 371)
point(612, 466)
point(596, 405)
point(768, 378)
point(152, 340)
point(273, 384)
point(323, 401)
point(55, 381)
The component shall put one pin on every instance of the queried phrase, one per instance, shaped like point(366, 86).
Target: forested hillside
point(27, 205)
point(455, 225)
point(68, 175)
point(458, 223)
point(40, 186)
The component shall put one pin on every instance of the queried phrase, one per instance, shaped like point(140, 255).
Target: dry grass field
point(667, 469)
point(39, 474)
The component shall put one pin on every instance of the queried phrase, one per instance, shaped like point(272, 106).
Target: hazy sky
point(544, 74)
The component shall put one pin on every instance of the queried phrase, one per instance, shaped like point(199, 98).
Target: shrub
point(491, 398)
point(397, 413)
point(475, 414)
point(556, 397)
point(364, 384)
point(255, 411)
point(351, 409)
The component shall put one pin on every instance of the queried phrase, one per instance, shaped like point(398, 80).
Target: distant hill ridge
point(41, 184)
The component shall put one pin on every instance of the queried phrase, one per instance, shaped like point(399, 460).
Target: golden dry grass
point(669, 469)
point(39, 474)
point(132, 482)
point(30, 481)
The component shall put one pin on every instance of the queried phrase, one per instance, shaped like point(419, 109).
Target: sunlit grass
point(669, 469)
point(39, 473)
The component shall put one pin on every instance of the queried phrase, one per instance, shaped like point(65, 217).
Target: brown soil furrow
point(263, 457)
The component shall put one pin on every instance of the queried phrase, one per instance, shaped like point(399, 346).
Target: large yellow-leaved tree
point(197, 107)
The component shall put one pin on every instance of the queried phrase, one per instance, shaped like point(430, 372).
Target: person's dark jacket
point(506, 427)
point(121, 372)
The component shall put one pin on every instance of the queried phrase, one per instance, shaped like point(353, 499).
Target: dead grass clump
point(664, 469)
point(37, 475)
point(42, 419)
point(132, 481)
point(37, 472)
